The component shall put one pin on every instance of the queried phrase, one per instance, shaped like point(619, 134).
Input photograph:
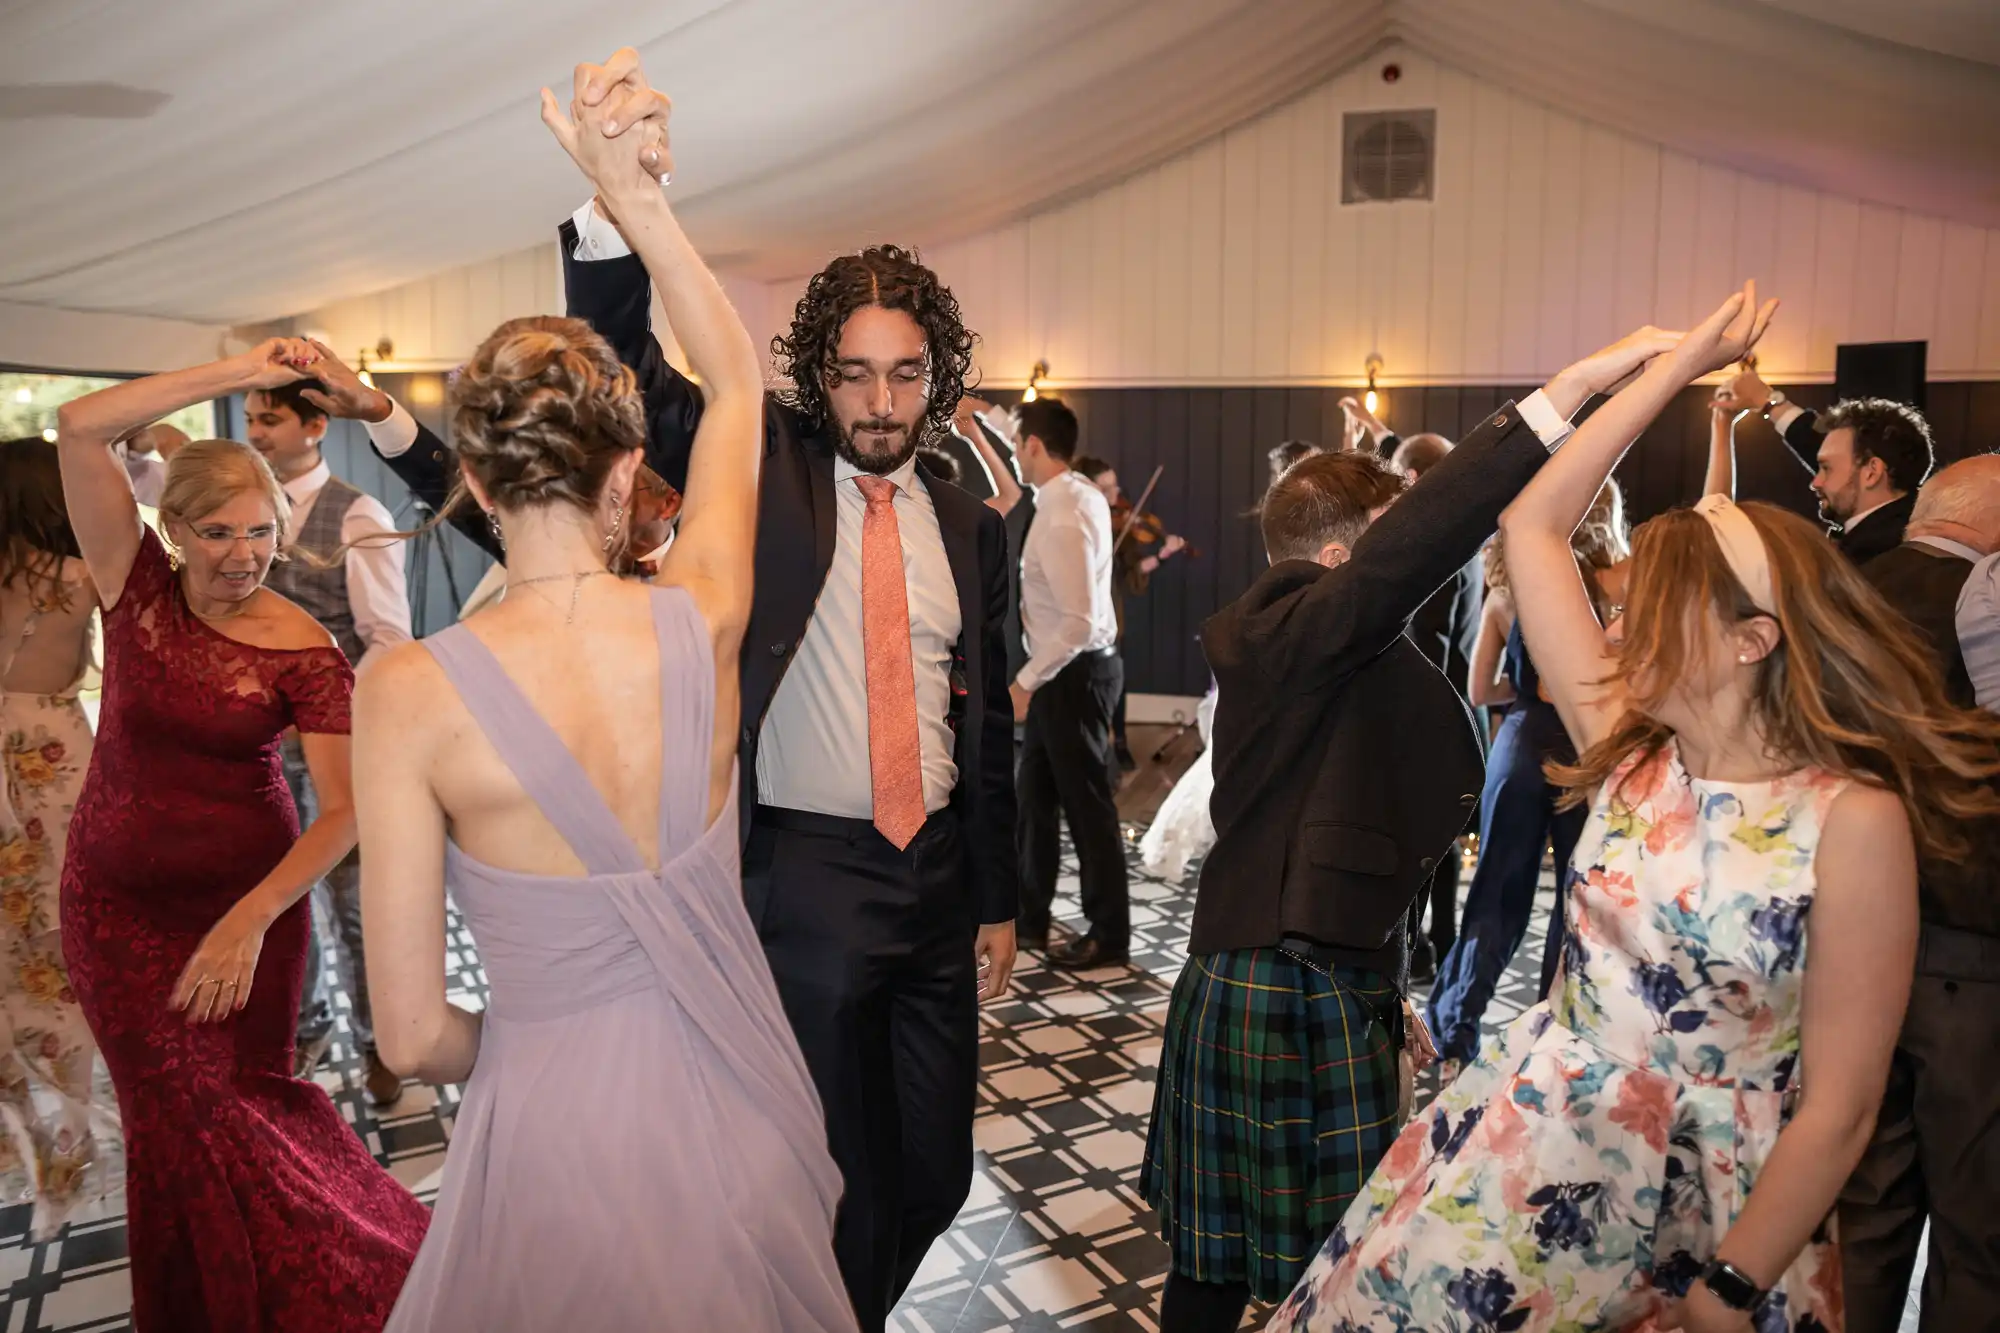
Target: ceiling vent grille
point(1387, 156)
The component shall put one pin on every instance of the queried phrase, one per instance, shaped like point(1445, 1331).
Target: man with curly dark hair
point(877, 747)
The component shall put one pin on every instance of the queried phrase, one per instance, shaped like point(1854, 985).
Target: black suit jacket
point(1923, 583)
point(1878, 533)
point(1345, 763)
point(795, 539)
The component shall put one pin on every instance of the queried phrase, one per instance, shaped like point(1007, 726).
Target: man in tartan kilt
point(1345, 767)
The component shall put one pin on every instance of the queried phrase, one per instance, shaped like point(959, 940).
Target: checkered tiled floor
point(1054, 1235)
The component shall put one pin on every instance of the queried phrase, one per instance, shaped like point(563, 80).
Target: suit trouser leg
point(1038, 832)
point(872, 951)
point(340, 893)
point(1936, 1152)
point(1075, 729)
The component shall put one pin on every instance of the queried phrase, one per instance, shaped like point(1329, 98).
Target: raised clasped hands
point(616, 127)
point(1745, 392)
point(276, 361)
point(342, 394)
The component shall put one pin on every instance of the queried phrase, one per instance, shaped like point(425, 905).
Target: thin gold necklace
point(575, 588)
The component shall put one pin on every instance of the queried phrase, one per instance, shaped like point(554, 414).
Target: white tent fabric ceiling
point(221, 161)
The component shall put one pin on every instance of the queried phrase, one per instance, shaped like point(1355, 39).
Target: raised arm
point(1358, 609)
point(420, 460)
point(1720, 479)
point(608, 286)
point(96, 487)
point(1747, 392)
point(1571, 653)
point(971, 422)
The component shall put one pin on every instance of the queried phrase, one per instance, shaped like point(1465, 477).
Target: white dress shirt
point(376, 592)
point(1978, 621)
point(596, 238)
point(1066, 603)
point(813, 751)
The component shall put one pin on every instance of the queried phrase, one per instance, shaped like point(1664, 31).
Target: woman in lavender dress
point(640, 1145)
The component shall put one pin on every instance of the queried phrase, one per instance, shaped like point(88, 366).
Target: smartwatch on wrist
point(1776, 401)
point(1732, 1286)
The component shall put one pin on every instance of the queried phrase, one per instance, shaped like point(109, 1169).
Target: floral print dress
point(50, 1151)
point(1581, 1171)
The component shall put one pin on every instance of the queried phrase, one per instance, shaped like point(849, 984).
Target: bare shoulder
point(292, 629)
point(404, 682)
point(1865, 810)
point(1866, 844)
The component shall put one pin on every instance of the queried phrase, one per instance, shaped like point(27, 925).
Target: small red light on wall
point(1391, 72)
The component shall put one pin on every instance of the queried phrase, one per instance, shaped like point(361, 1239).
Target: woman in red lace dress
point(252, 1206)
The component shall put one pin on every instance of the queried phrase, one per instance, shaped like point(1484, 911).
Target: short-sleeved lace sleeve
point(152, 578)
point(319, 688)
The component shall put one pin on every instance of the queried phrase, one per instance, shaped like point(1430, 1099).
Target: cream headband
point(1742, 548)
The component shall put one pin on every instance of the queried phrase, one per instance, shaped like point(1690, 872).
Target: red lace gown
point(252, 1205)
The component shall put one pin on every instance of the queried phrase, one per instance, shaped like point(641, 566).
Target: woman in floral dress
point(48, 1145)
point(1764, 747)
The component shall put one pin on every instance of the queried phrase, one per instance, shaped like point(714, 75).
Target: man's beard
point(1829, 507)
point(903, 440)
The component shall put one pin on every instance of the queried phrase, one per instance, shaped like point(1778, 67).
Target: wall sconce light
point(384, 350)
point(24, 395)
point(1035, 378)
point(1372, 400)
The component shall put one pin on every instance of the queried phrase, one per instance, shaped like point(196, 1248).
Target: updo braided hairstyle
point(542, 411)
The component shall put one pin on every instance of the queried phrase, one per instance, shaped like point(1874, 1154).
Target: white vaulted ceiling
point(247, 162)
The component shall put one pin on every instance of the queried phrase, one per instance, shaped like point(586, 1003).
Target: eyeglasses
point(219, 537)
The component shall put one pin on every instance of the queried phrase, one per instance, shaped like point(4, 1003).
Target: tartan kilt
point(1277, 1095)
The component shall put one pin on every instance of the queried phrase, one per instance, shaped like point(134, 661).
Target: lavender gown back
point(639, 1145)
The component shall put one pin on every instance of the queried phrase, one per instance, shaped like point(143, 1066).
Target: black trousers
point(872, 950)
point(1066, 765)
point(1935, 1154)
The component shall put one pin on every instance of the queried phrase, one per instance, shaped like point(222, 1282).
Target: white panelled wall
point(1236, 263)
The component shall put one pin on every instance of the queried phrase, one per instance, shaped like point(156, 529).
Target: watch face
point(1732, 1288)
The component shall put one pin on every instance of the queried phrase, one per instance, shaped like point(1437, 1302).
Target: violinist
point(1143, 544)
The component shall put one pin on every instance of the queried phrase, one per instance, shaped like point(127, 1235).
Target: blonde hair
point(204, 475)
point(1849, 689)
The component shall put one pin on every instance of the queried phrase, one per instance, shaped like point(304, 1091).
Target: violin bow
point(1138, 507)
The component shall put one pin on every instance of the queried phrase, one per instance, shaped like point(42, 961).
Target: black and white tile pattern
point(1054, 1235)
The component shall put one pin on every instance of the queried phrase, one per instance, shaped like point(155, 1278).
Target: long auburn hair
point(1849, 689)
point(35, 534)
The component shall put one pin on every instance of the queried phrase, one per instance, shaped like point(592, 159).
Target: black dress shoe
point(1084, 953)
point(1031, 939)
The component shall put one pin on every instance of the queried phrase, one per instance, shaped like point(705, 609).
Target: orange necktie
point(895, 755)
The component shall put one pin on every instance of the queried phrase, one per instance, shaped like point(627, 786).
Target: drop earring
point(499, 537)
point(617, 523)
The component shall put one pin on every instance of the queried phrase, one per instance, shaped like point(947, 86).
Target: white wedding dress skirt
point(1183, 832)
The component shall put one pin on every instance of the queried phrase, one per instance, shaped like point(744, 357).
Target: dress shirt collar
point(308, 484)
point(1854, 522)
point(1950, 547)
point(904, 476)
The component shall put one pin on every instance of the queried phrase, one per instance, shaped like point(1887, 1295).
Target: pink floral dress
point(1581, 1171)
point(57, 1141)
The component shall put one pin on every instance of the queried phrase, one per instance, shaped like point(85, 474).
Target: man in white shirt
point(1066, 694)
point(363, 601)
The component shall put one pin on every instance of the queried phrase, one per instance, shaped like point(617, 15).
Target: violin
point(1133, 522)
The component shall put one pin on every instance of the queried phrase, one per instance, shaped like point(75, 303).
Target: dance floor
point(1054, 1235)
